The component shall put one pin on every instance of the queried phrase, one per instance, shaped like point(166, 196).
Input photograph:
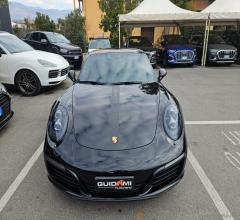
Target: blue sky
point(47, 4)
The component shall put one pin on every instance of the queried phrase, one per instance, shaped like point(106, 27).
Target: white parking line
point(233, 160)
point(221, 207)
point(237, 133)
point(234, 122)
point(16, 183)
point(235, 136)
point(223, 133)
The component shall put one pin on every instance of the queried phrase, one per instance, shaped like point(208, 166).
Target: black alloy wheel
point(28, 83)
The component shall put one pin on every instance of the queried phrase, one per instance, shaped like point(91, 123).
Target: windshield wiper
point(100, 83)
point(128, 83)
point(90, 82)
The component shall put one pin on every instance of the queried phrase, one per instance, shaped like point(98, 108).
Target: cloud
point(48, 4)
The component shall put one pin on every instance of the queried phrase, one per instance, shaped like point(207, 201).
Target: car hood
point(221, 47)
point(67, 46)
point(128, 112)
point(180, 47)
point(37, 54)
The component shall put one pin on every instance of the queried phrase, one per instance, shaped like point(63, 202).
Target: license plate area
point(76, 57)
point(114, 184)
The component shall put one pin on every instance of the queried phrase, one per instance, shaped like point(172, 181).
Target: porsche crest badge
point(114, 139)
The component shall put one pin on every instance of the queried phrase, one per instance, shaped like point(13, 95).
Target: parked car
point(128, 141)
point(218, 50)
point(28, 69)
point(56, 43)
point(142, 43)
point(233, 38)
point(98, 43)
point(176, 50)
point(6, 112)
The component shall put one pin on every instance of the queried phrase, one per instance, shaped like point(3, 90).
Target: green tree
point(74, 28)
point(44, 23)
point(111, 9)
point(180, 3)
point(3, 2)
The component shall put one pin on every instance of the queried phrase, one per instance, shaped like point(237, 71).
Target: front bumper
point(149, 183)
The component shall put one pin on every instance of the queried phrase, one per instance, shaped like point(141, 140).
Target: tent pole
point(119, 34)
point(204, 43)
point(206, 47)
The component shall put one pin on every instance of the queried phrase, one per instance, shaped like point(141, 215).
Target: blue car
point(176, 50)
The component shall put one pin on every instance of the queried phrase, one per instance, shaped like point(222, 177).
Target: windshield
point(215, 39)
point(117, 68)
point(57, 38)
point(139, 42)
point(99, 44)
point(175, 39)
point(13, 44)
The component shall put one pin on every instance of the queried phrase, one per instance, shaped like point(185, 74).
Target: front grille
point(168, 175)
point(5, 105)
point(184, 55)
point(226, 54)
point(64, 71)
point(75, 52)
point(53, 73)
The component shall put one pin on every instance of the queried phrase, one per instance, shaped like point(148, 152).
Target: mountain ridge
point(20, 11)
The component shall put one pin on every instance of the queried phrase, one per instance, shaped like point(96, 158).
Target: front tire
point(28, 83)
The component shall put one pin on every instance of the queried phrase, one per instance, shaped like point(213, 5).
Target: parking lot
point(209, 190)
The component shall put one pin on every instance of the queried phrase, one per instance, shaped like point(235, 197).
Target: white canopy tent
point(152, 13)
point(224, 12)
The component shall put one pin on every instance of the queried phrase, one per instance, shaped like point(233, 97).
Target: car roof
point(104, 51)
point(44, 32)
point(4, 33)
point(99, 38)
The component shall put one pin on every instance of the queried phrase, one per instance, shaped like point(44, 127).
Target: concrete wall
point(5, 21)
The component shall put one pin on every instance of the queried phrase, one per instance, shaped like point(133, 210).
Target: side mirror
point(44, 41)
point(72, 76)
point(162, 74)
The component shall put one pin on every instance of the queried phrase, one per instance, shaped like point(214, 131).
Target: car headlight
point(63, 51)
point(57, 126)
point(2, 88)
point(171, 51)
point(46, 63)
point(172, 122)
point(213, 51)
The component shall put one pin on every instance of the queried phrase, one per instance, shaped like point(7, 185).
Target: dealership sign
point(114, 183)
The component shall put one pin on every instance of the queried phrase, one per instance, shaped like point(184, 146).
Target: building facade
point(93, 14)
point(5, 20)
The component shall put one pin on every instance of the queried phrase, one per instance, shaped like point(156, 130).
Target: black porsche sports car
point(117, 134)
point(5, 106)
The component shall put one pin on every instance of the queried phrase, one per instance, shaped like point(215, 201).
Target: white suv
point(28, 69)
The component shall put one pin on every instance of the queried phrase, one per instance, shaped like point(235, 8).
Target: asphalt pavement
point(209, 190)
